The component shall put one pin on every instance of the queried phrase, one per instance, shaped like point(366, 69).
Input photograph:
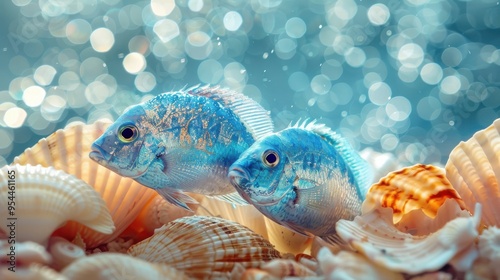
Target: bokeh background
point(411, 77)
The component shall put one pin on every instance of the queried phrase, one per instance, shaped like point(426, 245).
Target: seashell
point(33, 272)
point(281, 268)
point(350, 265)
point(115, 266)
point(489, 250)
point(46, 198)
point(417, 187)
point(256, 274)
point(25, 253)
point(67, 149)
point(437, 275)
point(284, 239)
point(63, 252)
point(374, 235)
point(472, 168)
point(205, 247)
point(155, 214)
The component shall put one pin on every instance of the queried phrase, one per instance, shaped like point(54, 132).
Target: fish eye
point(127, 133)
point(270, 158)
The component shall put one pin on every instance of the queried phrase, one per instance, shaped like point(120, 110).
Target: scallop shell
point(282, 268)
point(472, 169)
point(374, 235)
point(205, 246)
point(114, 266)
point(350, 265)
point(67, 149)
point(417, 187)
point(284, 239)
point(46, 198)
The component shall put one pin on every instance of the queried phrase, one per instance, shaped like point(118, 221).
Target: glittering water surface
point(410, 77)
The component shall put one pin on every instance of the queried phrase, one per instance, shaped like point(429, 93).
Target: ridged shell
point(473, 169)
point(417, 187)
point(205, 247)
point(114, 266)
point(68, 149)
point(284, 239)
point(374, 235)
point(155, 214)
point(350, 265)
point(283, 267)
point(46, 198)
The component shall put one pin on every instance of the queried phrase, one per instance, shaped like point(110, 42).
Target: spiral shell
point(63, 252)
point(68, 149)
point(46, 198)
point(114, 266)
point(472, 169)
point(417, 187)
point(205, 246)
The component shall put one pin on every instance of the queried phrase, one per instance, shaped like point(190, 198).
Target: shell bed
point(78, 220)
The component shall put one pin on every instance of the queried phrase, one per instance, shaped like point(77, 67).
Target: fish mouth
point(98, 154)
point(240, 179)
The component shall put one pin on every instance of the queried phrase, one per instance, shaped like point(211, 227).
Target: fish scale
point(184, 141)
point(314, 178)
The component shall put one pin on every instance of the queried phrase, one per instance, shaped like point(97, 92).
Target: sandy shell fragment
point(374, 235)
point(205, 247)
point(417, 187)
point(473, 170)
point(115, 266)
point(68, 149)
point(45, 198)
point(282, 267)
point(350, 265)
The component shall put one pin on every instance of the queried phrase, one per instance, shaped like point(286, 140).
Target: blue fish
point(183, 141)
point(305, 177)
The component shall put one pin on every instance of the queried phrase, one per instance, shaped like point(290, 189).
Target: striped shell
point(417, 187)
point(472, 169)
point(45, 198)
point(284, 239)
point(114, 266)
point(67, 149)
point(205, 247)
point(374, 235)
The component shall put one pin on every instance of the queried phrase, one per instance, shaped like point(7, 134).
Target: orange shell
point(417, 187)
point(68, 150)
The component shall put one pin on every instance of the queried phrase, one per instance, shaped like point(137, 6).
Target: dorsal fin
point(255, 118)
point(361, 170)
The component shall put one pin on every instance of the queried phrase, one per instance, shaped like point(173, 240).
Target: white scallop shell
point(472, 169)
point(25, 253)
point(68, 149)
point(45, 198)
point(374, 235)
point(350, 265)
point(115, 266)
point(205, 246)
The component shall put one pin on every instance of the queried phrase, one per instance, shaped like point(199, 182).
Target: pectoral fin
point(233, 198)
point(177, 198)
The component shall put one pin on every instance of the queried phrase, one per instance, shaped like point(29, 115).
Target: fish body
point(183, 141)
point(304, 177)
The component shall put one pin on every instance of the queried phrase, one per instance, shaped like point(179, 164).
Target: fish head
point(258, 174)
point(128, 146)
